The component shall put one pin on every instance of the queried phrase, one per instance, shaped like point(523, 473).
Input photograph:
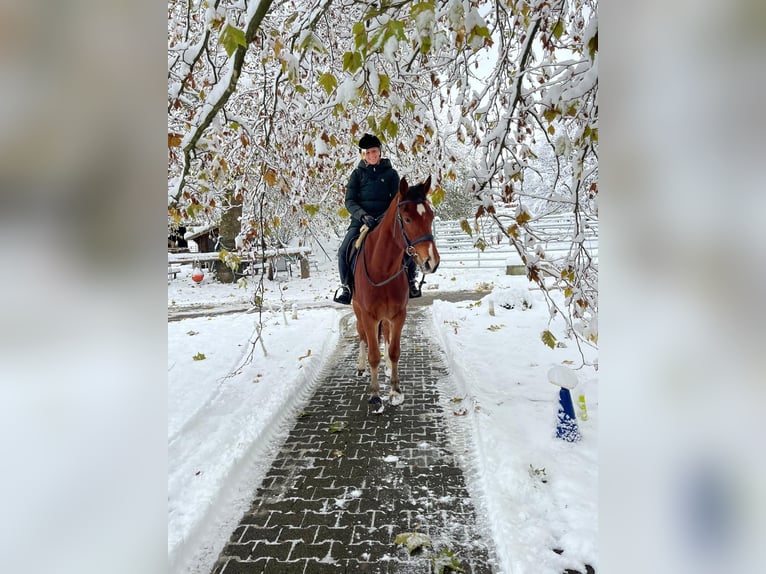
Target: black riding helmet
point(368, 141)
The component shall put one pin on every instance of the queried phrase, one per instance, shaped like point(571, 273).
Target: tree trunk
point(229, 229)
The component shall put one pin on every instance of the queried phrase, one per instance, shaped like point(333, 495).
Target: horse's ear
point(427, 184)
point(403, 187)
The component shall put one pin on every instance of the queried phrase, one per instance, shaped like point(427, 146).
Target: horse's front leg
point(373, 359)
point(393, 345)
point(361, 361)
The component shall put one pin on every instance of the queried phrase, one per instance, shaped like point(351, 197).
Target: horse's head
point(416, 218)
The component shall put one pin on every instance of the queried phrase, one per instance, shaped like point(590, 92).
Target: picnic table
point(276, 259)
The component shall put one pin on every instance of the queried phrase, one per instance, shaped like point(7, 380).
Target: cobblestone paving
point(347, 482)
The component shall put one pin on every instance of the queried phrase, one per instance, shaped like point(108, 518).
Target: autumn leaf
point(199, 357)
point(174, 140)
point(548, 338)
point(270, 176)
point(523, 217)
point(465, 226)
point(308, 354)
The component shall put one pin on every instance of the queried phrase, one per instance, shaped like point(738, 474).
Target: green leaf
point(337, 426)
point(421, 7)
point(360, 35)
point(480, 244)
point(425, 44)
point(311, 209)
point(558, 29)
point(548, 338)
point(352, 61)
point(397, 28)
point(311, 42)
point(437, 195)
point(550, 114)
point(445, 559)
point(464, 225)
point(392, 128)
point(413, 540)
point(232, 37)
point(328, 82)
point(593, 46)
point(199, 357)
point(384, 83)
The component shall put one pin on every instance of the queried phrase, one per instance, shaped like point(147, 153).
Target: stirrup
point(342, 295)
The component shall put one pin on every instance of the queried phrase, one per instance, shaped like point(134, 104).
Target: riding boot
point(412, 272)
point(343, 295)
point(414, 289)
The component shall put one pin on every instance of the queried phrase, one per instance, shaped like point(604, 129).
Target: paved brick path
point(335, 501)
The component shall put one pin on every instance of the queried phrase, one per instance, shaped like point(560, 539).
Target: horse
point(381, 288)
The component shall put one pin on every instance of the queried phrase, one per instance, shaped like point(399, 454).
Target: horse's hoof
point(397, 398)
point(376, 405)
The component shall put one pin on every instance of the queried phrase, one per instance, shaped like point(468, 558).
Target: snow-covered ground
point(228, 410)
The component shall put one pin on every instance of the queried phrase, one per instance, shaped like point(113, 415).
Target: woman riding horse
point(370, 189)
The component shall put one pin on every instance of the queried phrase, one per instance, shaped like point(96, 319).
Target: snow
point(534, 492)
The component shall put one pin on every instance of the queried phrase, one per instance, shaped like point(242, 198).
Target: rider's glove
point(368, 220)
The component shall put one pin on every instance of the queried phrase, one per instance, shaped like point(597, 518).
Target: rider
point(369, 191)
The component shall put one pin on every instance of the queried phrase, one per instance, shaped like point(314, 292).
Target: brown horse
point(381, 289)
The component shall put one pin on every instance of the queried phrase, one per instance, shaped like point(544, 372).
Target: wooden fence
point(554, 235)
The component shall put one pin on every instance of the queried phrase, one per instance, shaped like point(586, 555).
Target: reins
point(409, 251)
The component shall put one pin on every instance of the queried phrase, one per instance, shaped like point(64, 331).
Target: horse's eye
point(407, 220)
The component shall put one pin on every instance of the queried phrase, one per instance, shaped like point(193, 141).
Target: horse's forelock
point(417, 193)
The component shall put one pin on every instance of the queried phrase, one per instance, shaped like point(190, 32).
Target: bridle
point(409, 250)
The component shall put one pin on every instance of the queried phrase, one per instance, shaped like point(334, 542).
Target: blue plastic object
point(566, 428)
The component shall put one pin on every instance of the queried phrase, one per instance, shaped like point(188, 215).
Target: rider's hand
point(368, 220)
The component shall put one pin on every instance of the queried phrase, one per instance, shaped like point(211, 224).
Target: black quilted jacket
point(371, 188)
